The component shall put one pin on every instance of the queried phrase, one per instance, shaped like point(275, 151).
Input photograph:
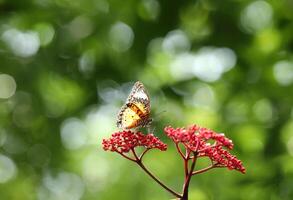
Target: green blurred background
point(66, 67)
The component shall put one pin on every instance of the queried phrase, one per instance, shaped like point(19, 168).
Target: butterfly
point(135, 112)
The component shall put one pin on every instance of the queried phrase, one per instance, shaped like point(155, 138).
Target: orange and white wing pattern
point(136, 111)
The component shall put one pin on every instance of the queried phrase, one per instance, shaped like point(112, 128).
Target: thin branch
point(135, 155)
point(186, 160)
point(128, 158)
point(179, 150)
point(139, 162)
point(158, 181)
point(187, 153)
point(143, 153)
point(207, 168)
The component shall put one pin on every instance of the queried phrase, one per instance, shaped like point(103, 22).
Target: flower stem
point(157, 180)
point(139, 162)
point(179, 150)
point(128, 158)
point(206, 169)
point(143, 153)
point(186, 160)
point(188, 177)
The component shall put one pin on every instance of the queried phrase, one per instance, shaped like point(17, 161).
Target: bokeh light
point(80, 27)
point(7, 86)
point(121, 37)
point(283, 72)
point(45, 32)
point(256, 16)
point(176, 42)
point(290, 146)
point(100, 122)
point(8, 169)
point(64, 185)
point(208, 64)
point(73, 133)
point(287, 136)
point(149, 9)
point(23, 44)
point(263, 110)
point(96, 180)
point(203, 97)
point(58, 100)
point(87, 62)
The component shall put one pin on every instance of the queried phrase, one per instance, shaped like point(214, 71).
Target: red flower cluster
point(223, 158)
point(123, 142)
point(197, 139)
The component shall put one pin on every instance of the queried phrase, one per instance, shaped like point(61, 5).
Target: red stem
point(188, 177)
point(186, 168)
point(186, 160)
point(203, 170)
point(206, 169)
point(157, 180)
point(143, 153)
point(179, 150)
point(139, 162)
point(135, 155)
point(128, 158)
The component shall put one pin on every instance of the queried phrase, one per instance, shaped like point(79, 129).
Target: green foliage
point(66, 67)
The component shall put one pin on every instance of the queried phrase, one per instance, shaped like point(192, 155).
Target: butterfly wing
point(136, 111)
point(139, 93)
point(127, 118)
